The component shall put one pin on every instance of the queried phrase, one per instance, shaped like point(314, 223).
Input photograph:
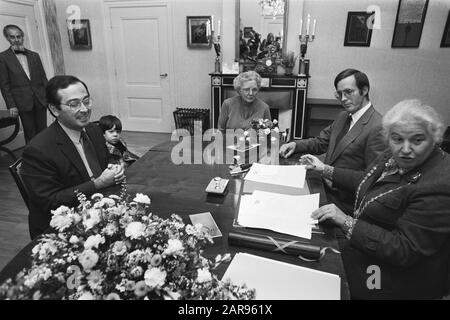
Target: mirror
point(261, 33)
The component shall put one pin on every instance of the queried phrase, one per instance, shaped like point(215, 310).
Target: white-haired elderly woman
point(239, 111)
point(399, 236)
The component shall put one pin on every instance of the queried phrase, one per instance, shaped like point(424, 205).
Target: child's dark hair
point(109, 121)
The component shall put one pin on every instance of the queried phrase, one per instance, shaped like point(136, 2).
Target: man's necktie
point(19, 51)
point(344, 130)
point(90, 154)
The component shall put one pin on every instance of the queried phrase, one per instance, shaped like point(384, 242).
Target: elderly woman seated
point(399, 235)
point(239, 111)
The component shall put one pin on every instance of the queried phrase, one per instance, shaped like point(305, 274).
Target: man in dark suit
point(352, 141)
point(22, 83)
point(68, 156)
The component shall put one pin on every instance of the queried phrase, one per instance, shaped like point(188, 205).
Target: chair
point(14, 169)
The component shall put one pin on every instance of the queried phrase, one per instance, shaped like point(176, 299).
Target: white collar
point(358, 114)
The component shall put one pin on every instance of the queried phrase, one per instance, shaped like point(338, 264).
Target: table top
point(180, 189)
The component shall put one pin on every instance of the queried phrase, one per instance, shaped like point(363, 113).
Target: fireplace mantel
point(278, 91)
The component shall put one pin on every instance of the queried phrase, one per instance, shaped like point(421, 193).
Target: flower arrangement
point(265, 125)
point(111, 248)
point(288, 60)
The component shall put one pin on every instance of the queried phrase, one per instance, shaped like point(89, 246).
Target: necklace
point(358, 210)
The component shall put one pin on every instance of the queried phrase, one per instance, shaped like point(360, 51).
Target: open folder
point(274, 280)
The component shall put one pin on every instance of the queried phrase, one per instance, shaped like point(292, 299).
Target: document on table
point(278, 212)
point(273, 178)
point(286, 281)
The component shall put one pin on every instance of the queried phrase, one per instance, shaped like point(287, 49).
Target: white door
point(141, 60)
point(23, 14)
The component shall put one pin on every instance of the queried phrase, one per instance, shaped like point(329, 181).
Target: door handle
point(163, 75)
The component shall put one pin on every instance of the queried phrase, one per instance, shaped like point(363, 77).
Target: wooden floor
point(13, 212)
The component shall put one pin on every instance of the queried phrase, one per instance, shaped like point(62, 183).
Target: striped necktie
point(90, 154)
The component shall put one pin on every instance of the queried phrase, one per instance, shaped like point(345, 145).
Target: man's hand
point(113, 174)
point(330, 212)
point(287, 149)
point(312, 163)
point(14, 112)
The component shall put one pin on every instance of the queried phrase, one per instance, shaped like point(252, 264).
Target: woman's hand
point(330, 212)
point(312, 162)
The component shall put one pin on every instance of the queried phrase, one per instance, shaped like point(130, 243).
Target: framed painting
point(357, 32)
point(79, 34)
point(409, 23)
point(445, 42)
point(199, 31)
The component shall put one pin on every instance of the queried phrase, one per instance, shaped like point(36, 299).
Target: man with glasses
point(352, 141)
point(67, 157)
point(22, 83)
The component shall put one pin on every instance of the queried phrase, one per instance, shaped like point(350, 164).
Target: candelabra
point(304, 63)
point(218, 64)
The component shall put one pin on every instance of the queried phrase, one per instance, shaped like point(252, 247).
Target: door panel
point(140, 49)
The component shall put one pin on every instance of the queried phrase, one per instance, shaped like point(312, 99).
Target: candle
point(212, 23)
point(307, 25)
point(301, 26)
point(314, 28)
point(218, 28)
point(208, 29)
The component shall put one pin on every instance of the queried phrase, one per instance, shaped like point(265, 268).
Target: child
point(118, 151)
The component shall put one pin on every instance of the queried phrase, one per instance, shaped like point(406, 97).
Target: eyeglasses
point(346, 92)
point(247, 90)
point(76, 104)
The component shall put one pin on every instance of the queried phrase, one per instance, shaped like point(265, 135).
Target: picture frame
point(409, 23)
point(199, 31)
point(445, 42)
point(357, 32)
point(79, 34)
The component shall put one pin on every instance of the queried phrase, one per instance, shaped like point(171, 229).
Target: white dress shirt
point(358, 114)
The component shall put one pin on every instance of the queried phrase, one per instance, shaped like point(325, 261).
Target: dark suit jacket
point(52, 170)
point(356, 150)
point(17, 89)
point(406, 233)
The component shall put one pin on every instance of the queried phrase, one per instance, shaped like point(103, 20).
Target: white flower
point(142, 198)
point(134, 230)
point(171, 295)
point(45, 250)
point(98, 196)
point(266, 131)
point(276, 129)
point(62, 210)
point(110, 229)
point(112, 296)
point(60, 221)
point(88, 259)
point(95, 279)
point(74, 239)
point(154, 277)
point(173, 247)
point(203, 275)
point(119, 248)
point(94, 241)
point(86, 296)
point(275, 121)
point(37, 274)
point(91, 219)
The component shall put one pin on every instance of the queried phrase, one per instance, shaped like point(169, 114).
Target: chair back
point(14, 169)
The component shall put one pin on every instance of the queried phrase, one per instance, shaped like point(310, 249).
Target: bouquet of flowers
point(112, 248)
point(265, 126)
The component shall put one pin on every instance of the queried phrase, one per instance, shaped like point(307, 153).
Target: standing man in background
point(22, 83)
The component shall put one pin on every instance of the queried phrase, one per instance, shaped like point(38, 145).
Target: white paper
point(279, 212)
point(274, 280)
point(290, 176)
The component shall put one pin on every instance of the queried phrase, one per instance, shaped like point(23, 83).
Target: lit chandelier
point(272, 7)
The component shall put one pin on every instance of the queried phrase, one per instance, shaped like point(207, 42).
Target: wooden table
point(180, 189)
